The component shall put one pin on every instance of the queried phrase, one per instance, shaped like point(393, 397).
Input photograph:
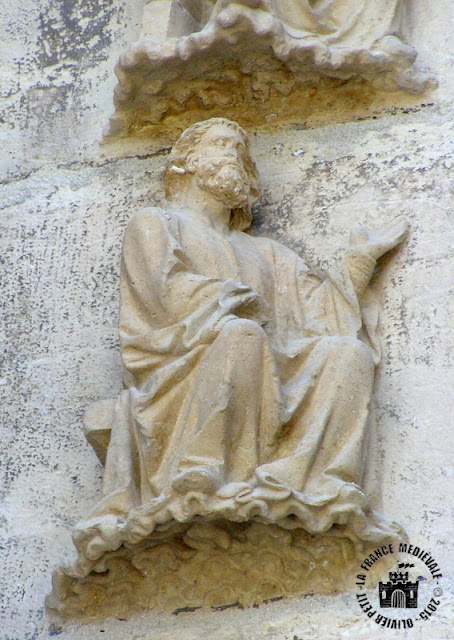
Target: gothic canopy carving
point(239, 56)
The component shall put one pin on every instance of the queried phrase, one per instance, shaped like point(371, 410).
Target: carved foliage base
point(206, 565)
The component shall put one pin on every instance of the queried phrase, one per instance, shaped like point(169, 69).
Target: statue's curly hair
point(186, 146)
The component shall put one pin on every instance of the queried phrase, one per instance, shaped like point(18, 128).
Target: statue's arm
point(367, 246)
point(360, 267)
point(329, 304)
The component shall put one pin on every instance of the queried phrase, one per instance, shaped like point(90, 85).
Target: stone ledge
point(245, 63)
point(204, 565)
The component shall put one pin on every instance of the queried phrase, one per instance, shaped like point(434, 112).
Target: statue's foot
point(197, 479)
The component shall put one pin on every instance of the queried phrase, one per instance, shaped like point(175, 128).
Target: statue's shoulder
point(148, 218)
point(147, 214)
point(280, 253)
point(269, 244)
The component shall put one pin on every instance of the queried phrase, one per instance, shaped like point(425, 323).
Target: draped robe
point(241, 360)
point(351, 24)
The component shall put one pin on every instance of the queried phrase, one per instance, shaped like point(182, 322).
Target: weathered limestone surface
point(64, 208)
point(253, 56)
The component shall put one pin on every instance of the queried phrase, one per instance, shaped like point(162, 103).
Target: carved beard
point(227, 181)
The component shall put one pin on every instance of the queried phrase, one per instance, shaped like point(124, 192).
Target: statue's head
point(216, 152)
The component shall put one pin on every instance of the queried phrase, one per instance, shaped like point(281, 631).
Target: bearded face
point(215, 154)
point(226, 179)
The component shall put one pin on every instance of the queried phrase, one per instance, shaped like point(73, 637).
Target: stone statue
point(348, 23)
point(248, 378)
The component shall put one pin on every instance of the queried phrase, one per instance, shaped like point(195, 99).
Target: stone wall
point(65, 203)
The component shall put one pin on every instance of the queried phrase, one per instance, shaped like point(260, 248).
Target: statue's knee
point(243, 332)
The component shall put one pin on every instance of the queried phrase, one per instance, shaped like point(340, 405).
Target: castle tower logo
point(399, 592)
point(412, 593)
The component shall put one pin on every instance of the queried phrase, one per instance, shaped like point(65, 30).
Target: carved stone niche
point(258, 60)
point(236, 466)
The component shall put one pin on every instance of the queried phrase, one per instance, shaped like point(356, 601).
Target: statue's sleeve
point(166, 308)
point(327, 304)
point(333, 306)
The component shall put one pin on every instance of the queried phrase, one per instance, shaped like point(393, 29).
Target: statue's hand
point(245, 302)
point(377, 242)
point(255, 308)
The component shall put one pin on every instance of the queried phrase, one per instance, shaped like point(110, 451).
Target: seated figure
point(248, 378)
